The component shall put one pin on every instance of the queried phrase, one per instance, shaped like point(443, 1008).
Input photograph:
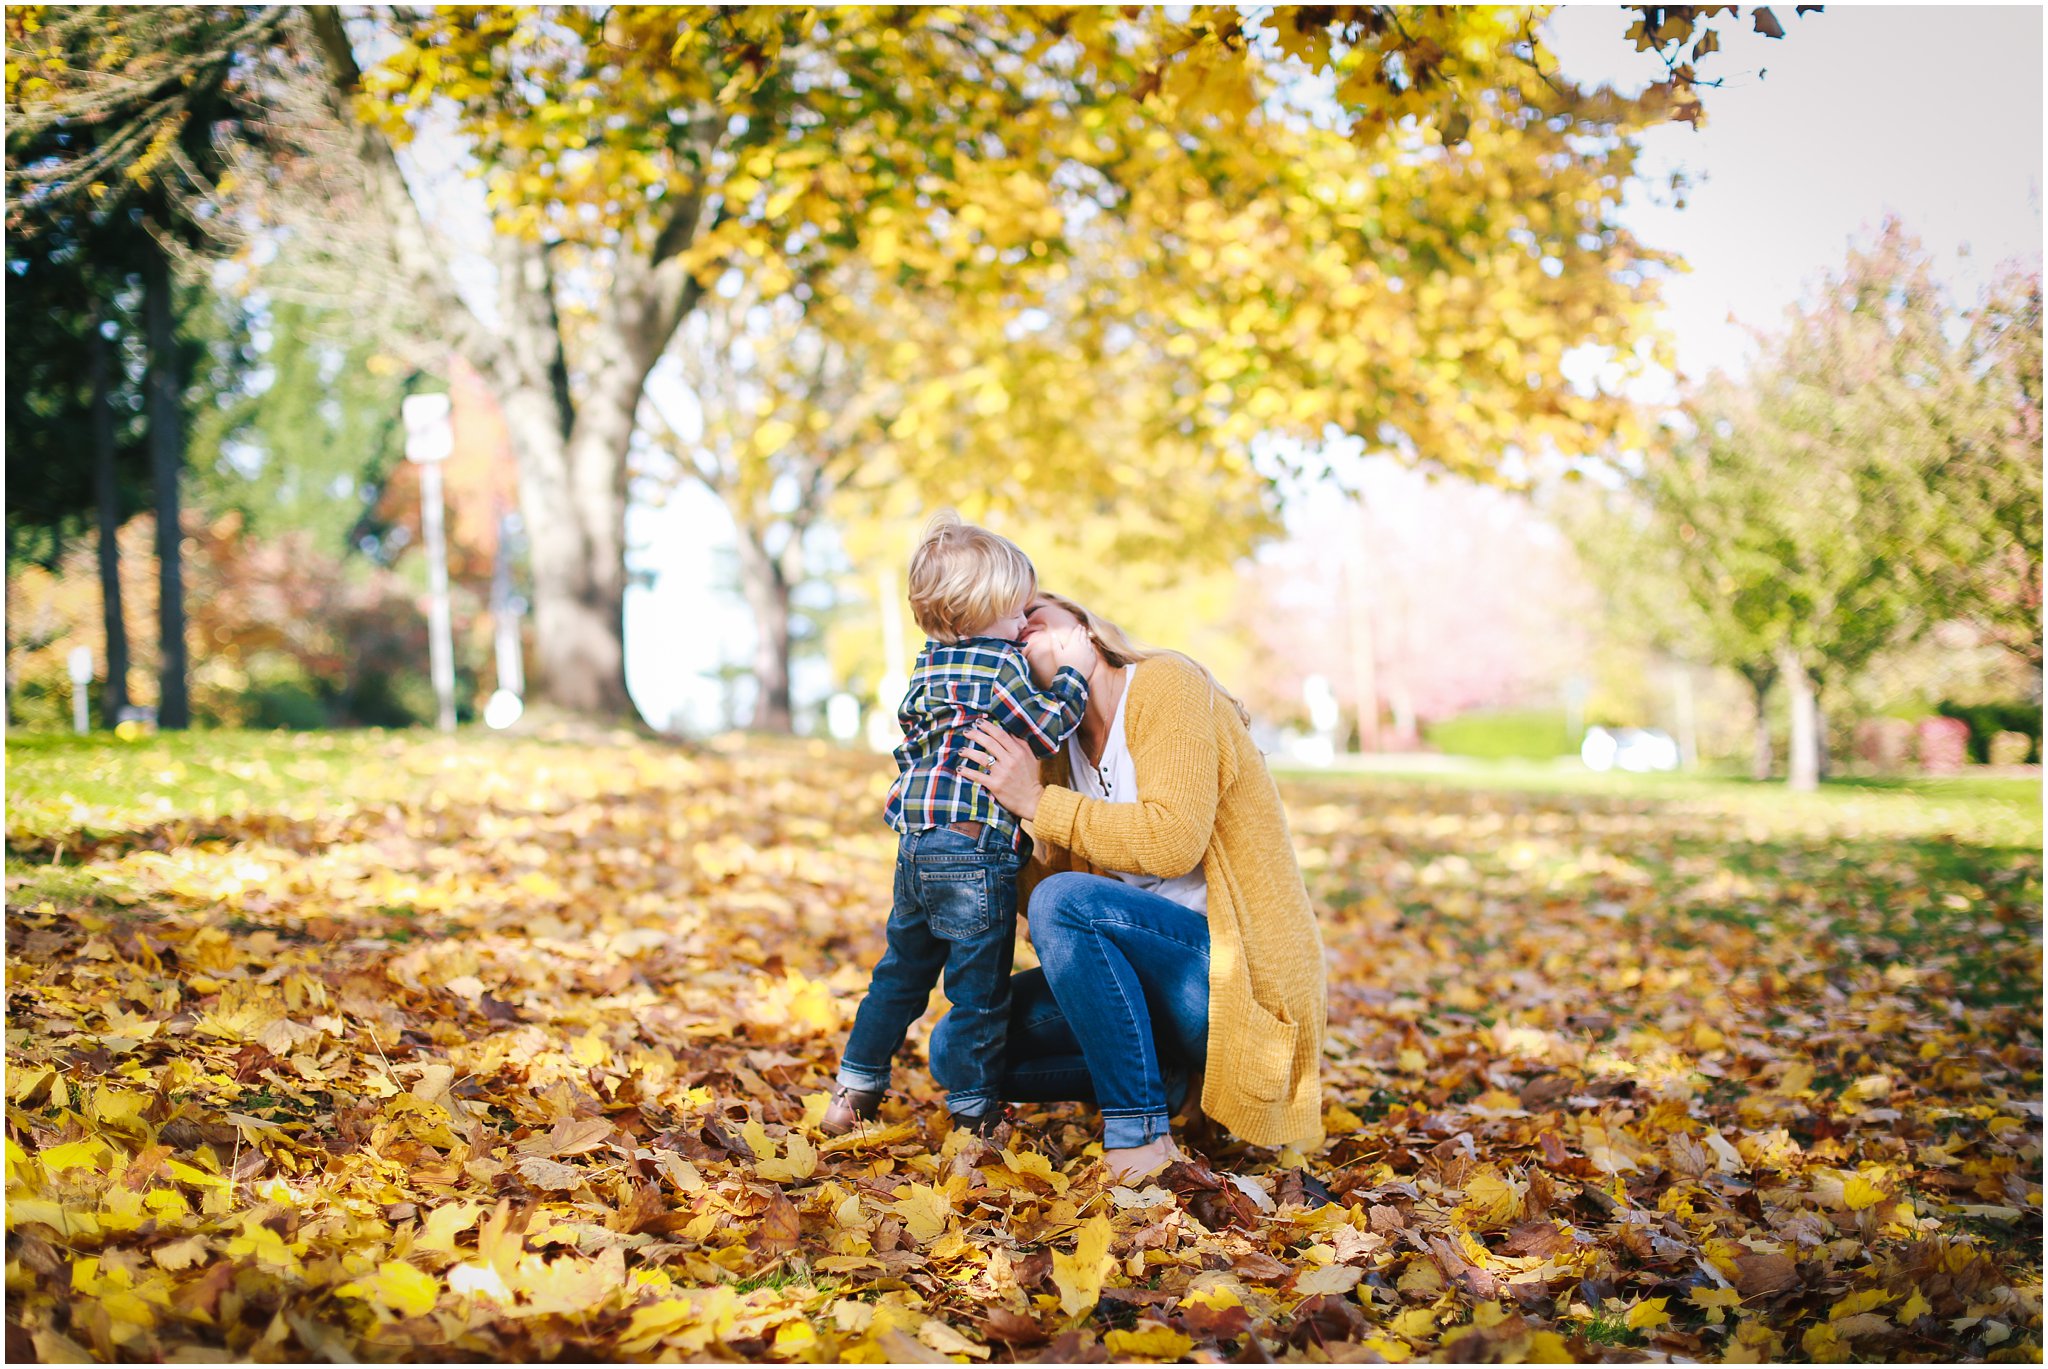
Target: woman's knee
point(1063, 897)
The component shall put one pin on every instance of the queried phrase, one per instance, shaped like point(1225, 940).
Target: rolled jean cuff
point(1127, 1133)
point(969, 1107)
point(867, 1081)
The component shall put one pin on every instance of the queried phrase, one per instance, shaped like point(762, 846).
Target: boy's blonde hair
point(964, 578)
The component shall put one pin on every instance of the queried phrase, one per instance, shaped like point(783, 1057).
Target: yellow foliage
point(1079, 1275)
point(396, 1287)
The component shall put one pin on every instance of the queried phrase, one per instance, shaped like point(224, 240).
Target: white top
point(1117, 782)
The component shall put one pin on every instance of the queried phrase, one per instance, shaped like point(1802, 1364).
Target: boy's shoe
point(849, 1108)
point(987, 1124)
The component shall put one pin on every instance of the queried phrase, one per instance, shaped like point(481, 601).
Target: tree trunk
point(578, 609)
point(167, 460)
point(1759, 681)
point(1364, 658)
point(767, 592)
point(1804, 764)
point(114, 697)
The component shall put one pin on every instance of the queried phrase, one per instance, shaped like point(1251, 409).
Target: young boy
point(960, 851)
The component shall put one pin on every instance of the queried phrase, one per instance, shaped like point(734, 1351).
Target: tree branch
point(384, 184)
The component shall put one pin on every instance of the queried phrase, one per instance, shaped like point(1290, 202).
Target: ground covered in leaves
point(390, 1047)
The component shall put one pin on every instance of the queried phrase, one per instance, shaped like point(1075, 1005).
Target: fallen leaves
point(524, 1059)
point(1079, 1275)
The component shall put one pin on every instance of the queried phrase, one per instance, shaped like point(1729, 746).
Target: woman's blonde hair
point(963, 578)
point(1119, 650)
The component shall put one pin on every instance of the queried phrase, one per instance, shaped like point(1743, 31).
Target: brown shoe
point(849, 1108)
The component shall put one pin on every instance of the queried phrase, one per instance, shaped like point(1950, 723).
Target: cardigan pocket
point(1266, 1058)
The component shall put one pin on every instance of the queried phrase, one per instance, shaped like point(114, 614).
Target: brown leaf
point(570, 1136)
point(1259, 1267)
point(1539, 1240)
point(643, 1210)
point(551, 1174)
point(1011, 1328)
point(1761, 1272)
point(1460, 1270)
point(1071, 1347)
point(1767, 23)
point(1215, 1323)
point(1326, 1319)
point(777, 1227)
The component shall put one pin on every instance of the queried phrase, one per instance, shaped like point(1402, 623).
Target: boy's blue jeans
point(955, 910)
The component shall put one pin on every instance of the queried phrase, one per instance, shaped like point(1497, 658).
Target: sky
point(1932, 113)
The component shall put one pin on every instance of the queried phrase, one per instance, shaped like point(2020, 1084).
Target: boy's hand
point(1007, 769)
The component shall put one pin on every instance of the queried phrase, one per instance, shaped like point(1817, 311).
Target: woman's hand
point(1008, 770)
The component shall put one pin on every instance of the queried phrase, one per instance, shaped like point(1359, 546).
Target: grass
point(1667, 944)
point(61, 782)
point(61, 785)
point(2001, 810)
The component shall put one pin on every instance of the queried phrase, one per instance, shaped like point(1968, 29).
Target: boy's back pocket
point(960, 901)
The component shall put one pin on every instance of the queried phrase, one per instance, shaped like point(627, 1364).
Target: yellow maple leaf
point(478, 1280)
point(1717, 1301)
point(686, 1324)
point(89, 1153)
point(73, 1224)
point(1490, 1198)
point(796, 1339)
point(1859, 1193)
point(397, 1287)
point(1647, 1315)
point(756, 1137)
point(815, 1105)
point(1862, 1301)
point(1823, 1344)
point(1417, 1323)
point(1149, 1340)
point(443, 1224)
point(1914, 1308)
point(800, 1163)
point(1033, 1165)
point(1216, 1297)
point(1079, 1276)
point(925, 1211)
point(944, 1339)
point(117, 1109)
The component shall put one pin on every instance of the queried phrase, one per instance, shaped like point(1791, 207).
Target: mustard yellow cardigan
point(1206, 798)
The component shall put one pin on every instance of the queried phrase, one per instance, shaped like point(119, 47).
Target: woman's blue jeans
point(1117, 1014)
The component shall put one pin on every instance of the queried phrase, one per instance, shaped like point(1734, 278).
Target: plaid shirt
point(953, 686)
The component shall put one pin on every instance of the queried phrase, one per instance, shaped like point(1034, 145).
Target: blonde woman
point(1175, 938)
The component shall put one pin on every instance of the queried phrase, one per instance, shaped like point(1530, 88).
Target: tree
point(69, 391)
point(120, 121)
point(1467, 601)
point(1987, 565)
point(1666, 549)
point(1796, 505)
point(1412, 279)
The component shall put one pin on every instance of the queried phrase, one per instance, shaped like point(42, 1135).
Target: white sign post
point(429, 438)
point(507, 701)
point(81, 677)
